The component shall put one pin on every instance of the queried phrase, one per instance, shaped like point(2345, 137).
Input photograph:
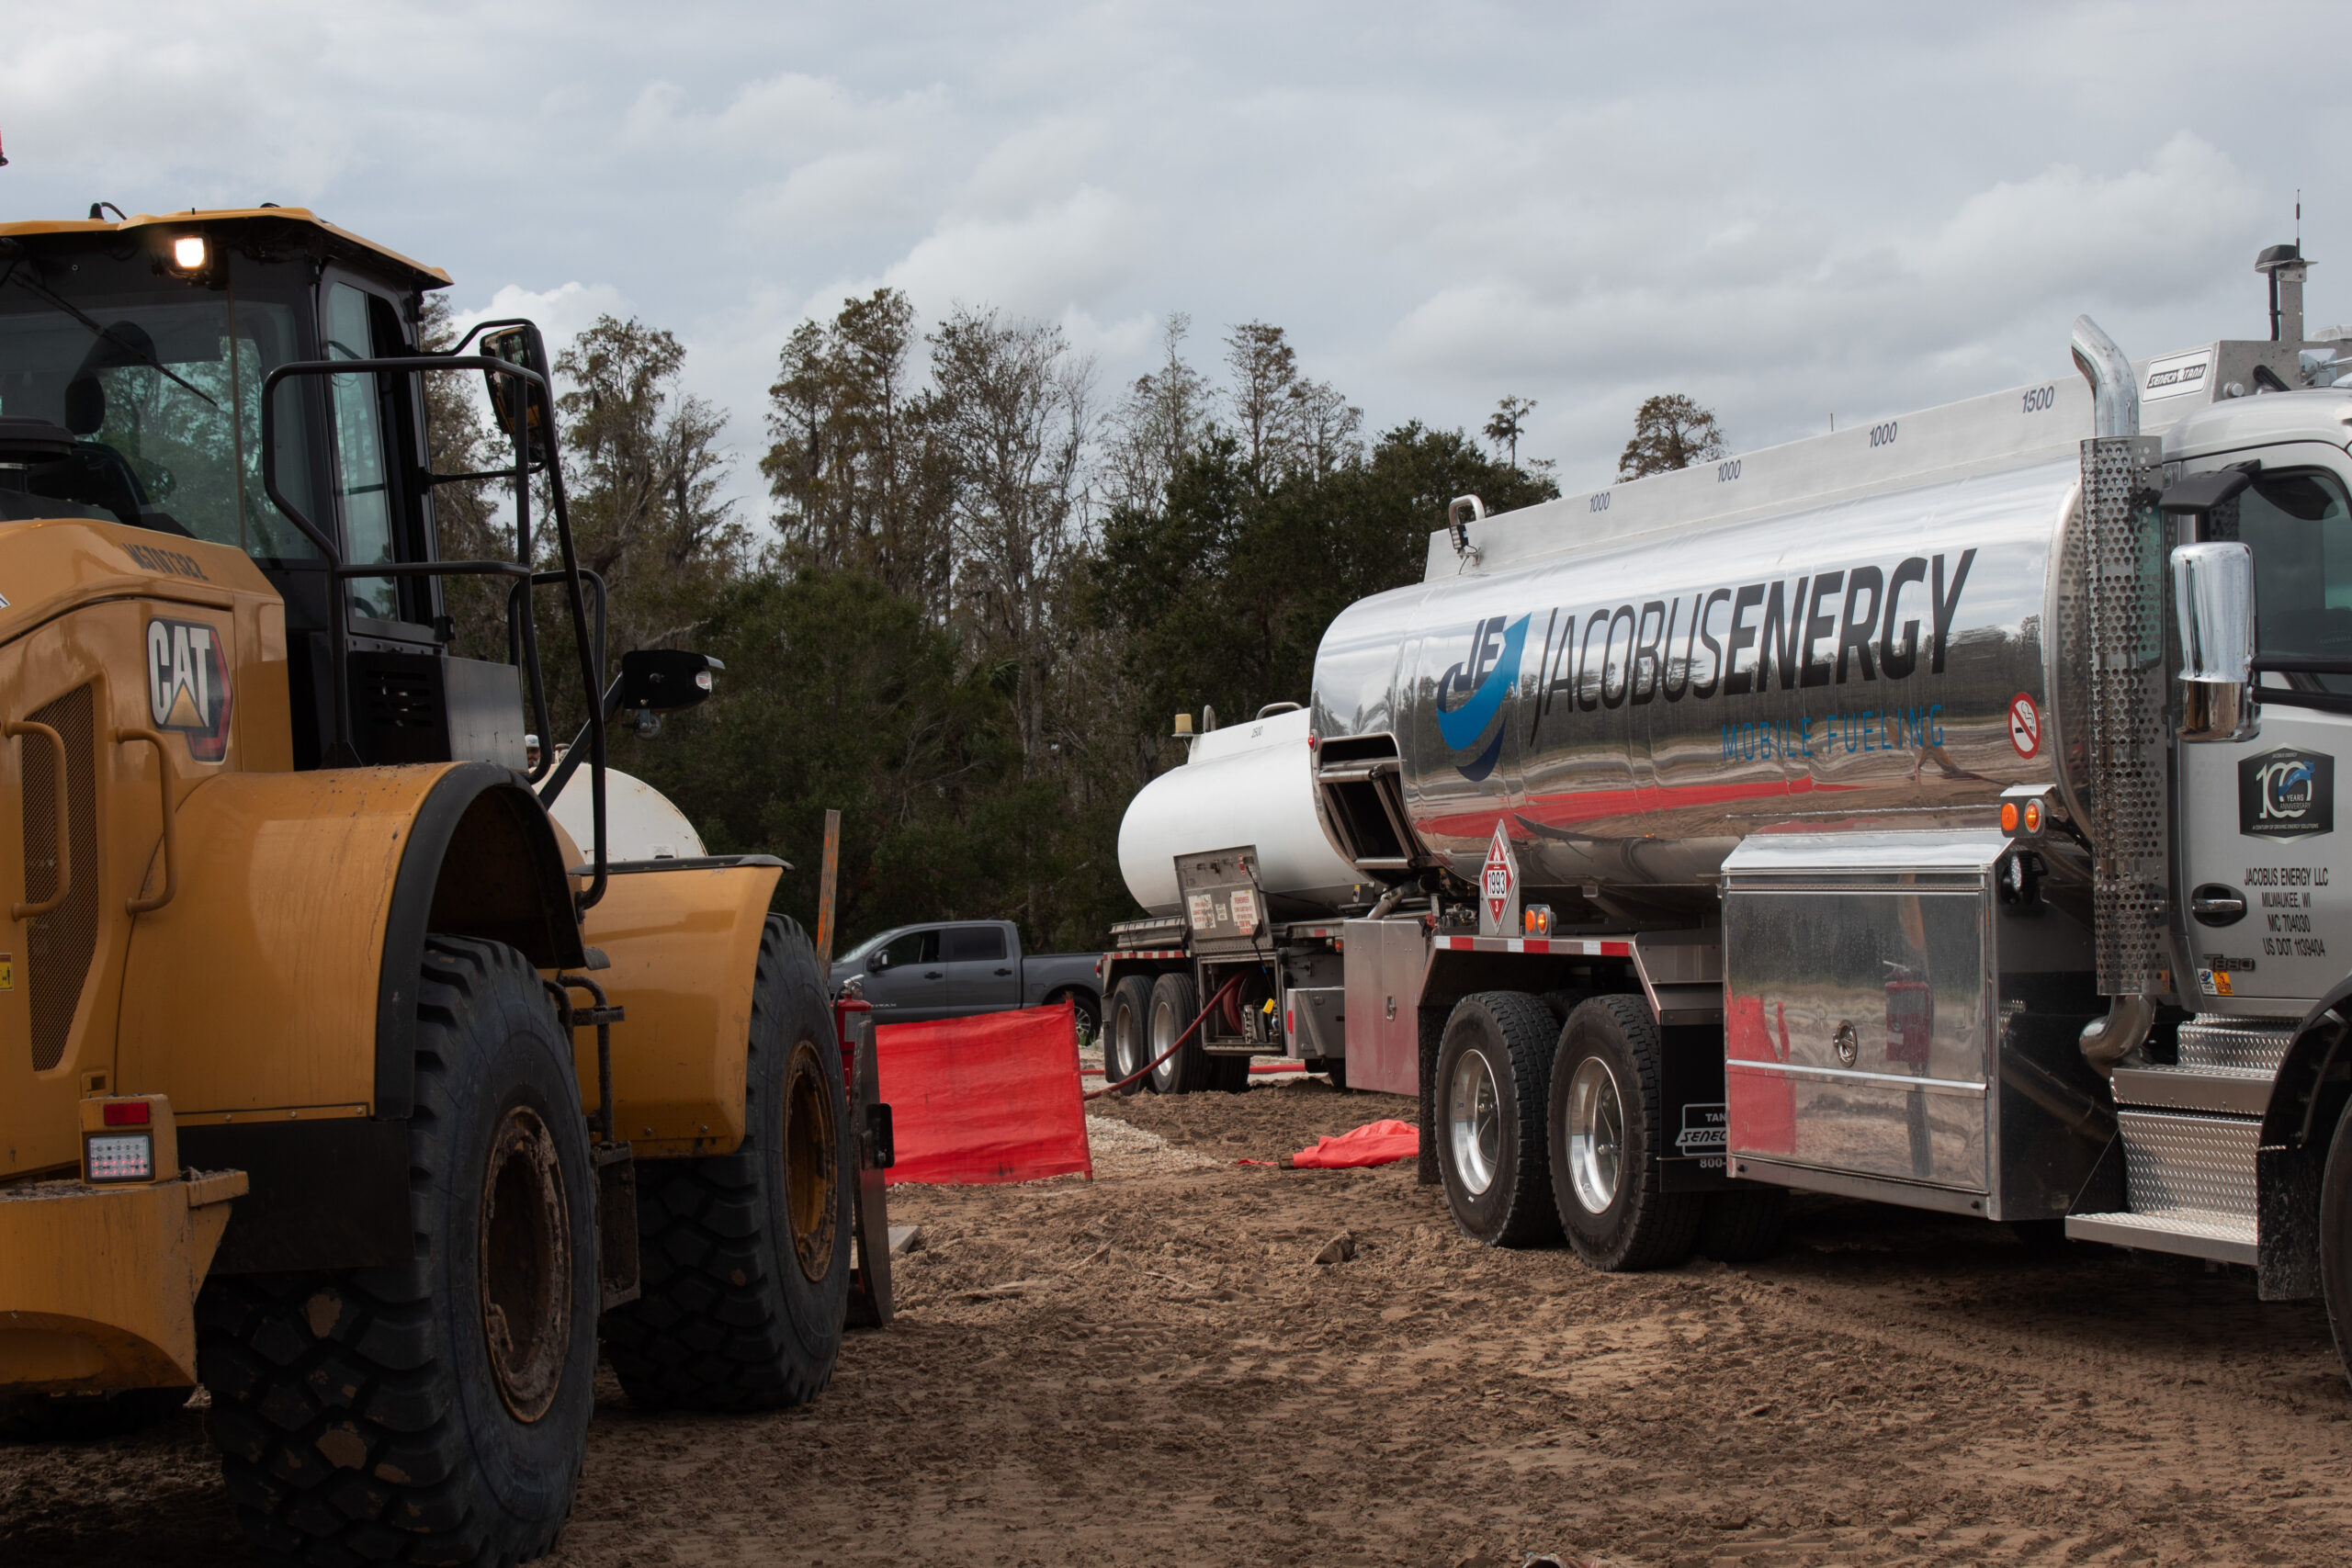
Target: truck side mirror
point(879, 962)
point(511, 396)
point(2212, 586)
point(665, 680)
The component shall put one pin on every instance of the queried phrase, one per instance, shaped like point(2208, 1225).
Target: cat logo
point(187, 686)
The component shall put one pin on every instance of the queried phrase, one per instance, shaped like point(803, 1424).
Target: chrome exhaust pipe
point(2131, 876)
point(2106, 1040)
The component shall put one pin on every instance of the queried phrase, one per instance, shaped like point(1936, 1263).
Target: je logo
point(1475, 689)
point(187, 686)
point(2286, 794)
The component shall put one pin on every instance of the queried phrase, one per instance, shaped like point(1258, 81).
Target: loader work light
point(190, 254)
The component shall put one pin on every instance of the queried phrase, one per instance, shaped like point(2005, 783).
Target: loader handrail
point(28, 910)
point(171, 821)
point(343, 751)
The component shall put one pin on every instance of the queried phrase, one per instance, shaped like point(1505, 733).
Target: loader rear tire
point(1494, 1070)
point(1127, 1035)
point(745, 1256)
point(1174, 1004)
point(435, 1411)
point(1607, 1129)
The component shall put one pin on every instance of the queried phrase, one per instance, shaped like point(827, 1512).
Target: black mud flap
point(869, 1281)
point(617, 1260)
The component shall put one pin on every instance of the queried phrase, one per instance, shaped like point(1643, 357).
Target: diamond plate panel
point(2210, 1040)
point(2204, 1164)
point(2124, 553)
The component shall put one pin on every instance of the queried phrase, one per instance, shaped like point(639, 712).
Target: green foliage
point(1670, 431)
point(942, 643)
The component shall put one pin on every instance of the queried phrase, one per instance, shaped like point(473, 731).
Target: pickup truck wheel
point(745, 1256)
point(1123, 1042)
point(1174, 1005)
point(1493, 1073)
point(434, 1410)
point(1607, 1128)
point(1086, 1014)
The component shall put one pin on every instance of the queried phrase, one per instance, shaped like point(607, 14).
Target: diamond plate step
point(2241, 1091)
point(2189, 1180)
point(2211, 1040)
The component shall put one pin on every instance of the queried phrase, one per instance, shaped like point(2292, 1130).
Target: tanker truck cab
point(1940, 812)
point(329, 1060)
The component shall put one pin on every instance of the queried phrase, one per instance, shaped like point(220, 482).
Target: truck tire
point(1743, 1225)
point(1494, 1070)
point(1230, 1075)
point(1126, 1037)
point(1174, 1004)
point(1607, 1127)
point(1086, 1012)
point(374, 1414)
point(2335, 1239)
point(744, 1258)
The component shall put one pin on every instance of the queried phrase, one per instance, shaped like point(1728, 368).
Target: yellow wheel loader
point(335, 1074)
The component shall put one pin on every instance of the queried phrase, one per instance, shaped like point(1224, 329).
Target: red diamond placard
point(1498, 887)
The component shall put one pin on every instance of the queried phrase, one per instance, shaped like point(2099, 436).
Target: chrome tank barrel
point(1249, 783)
point(1633, 709)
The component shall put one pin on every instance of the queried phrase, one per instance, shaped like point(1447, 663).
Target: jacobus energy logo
point(187, 686)
point(1470, 695)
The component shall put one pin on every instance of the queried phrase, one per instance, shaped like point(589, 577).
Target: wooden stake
point(825, 889)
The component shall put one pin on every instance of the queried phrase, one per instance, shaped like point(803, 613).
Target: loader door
point(2267, 891)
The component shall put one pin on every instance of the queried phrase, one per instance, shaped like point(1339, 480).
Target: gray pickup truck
point(955, 968)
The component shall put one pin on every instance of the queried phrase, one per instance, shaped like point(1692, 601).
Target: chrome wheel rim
point(1475, 1122)
point(1119, 1058)
point(1165, 1027)
point(1595, 1151)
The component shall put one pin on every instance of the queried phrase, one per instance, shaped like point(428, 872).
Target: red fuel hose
point(1222, 993)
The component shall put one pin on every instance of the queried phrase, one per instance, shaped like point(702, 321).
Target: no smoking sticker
point(2025, 725)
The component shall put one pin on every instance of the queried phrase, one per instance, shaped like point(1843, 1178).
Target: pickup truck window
point(967, 944)
point(915, 947)
point(2300, 532)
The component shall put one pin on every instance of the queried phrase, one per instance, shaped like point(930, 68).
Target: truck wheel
point(1125, 1042)
point(1493, 1068)
point(1607, 1129)
point(1174, 1004)
point(1741, 1226)
point(745, 1256)
point(435, 1410)
point(1086, 1013)
point(1230, 1075)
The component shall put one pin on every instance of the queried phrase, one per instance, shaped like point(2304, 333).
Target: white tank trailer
point(1940, 811)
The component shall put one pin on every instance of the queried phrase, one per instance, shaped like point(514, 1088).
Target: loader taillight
point(119, 1157)
point(126, 1113)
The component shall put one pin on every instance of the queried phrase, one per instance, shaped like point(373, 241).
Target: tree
point(1670, 431)
point(1157, 426)
point(1263, 366)
point(1508, 425)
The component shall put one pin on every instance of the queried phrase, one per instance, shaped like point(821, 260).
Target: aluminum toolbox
point(1897, 1028)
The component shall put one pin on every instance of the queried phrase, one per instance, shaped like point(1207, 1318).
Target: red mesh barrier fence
point(993, 1098)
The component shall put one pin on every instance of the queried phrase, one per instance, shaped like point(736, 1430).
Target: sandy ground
point(1150, 1368)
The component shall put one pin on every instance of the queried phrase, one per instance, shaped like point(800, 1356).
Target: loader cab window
point(2300, 532)
point(372, 421)
point(138, 402)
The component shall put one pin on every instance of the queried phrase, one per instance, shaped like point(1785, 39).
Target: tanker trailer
point(1920, 812)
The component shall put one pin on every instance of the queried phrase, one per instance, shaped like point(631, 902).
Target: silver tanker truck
point(1941, 811)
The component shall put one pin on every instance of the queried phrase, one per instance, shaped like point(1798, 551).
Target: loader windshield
point(138, 400)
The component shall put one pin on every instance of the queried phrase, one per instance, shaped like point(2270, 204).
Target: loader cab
point(133, 358)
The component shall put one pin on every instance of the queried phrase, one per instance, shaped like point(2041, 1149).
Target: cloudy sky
point(1789, 213)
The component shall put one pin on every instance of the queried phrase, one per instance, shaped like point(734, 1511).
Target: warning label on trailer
point(2025, 725)
point(1499, 886)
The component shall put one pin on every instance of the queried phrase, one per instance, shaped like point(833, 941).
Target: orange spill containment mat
point(1375, 1143)
point(987, 1099)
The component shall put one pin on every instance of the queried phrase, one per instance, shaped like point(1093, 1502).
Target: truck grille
point(57, 945)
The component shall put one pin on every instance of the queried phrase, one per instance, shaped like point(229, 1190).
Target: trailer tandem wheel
point(746, 1256)
point(1493, 1069)
point(436, 1411)
point(1191, 1070)
point(1607, 1123)
point(1127, 1034)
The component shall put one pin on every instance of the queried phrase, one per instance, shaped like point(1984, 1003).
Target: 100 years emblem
point(2286, 794)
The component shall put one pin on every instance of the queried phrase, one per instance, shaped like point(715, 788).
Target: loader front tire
point(745, 1256)
point(437, 1410)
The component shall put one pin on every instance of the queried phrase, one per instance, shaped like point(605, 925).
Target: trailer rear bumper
point(97, 1284)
